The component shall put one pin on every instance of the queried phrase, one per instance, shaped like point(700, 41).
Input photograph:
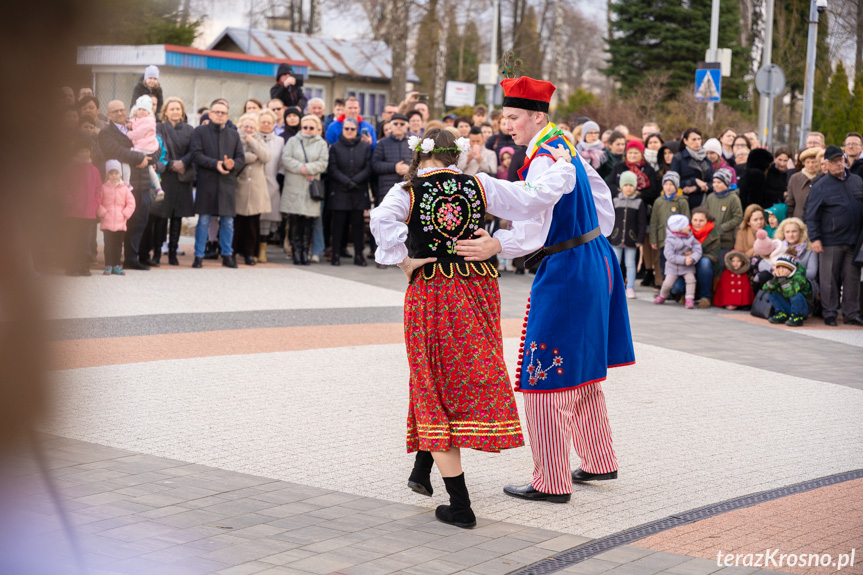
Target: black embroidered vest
point(446, 206)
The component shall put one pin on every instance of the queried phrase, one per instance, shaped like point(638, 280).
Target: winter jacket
point(808, 259)
point(292, 95)
point(141, 89)
point(691, 169)
point(334, 132)
point(789, 287)
point(216, 193)
point(727, 214)
point(116, 146)
point(857, 167)
point(834, 210)
point(349, 170)
point(295, 193)
point(81, 183)
point(798, 191)
point(499, 141)
point(753, 182)
point(271, 171)
point(744, 241)
point(648, 193)
point(253, 197)
point(710, 246)
point(734, 288)
point(663, 208)
point(675, 253)
point(630, 221)
point(775, 185)
point(387, 154)
point(116, 207)
point(488, 165)
point(178, 202)
point(143, 134)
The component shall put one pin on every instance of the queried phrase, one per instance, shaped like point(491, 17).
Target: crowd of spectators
point(695, 214)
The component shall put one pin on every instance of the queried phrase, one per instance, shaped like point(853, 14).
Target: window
point(372, 102)
point(314, 91)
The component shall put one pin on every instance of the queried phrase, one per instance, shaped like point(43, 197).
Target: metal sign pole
point(714, 46)
point(766, 61)
point(806, 117)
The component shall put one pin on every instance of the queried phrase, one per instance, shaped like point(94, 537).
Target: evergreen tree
point(833, 116)
point(426, 50)
point(141, 23)
point(671, 36)
point(855, 113)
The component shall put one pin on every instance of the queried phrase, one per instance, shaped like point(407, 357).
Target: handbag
point(316, 187)
point(761, 306)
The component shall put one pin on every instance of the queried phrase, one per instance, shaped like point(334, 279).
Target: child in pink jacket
point(81, 185)
point(143, 136)
point(115, 209)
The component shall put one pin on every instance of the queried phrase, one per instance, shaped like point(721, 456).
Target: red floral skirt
point(460, 391)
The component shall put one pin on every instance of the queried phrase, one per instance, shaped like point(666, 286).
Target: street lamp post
point(712, 56)
point(815, 8)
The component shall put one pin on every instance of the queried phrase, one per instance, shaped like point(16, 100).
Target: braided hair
point(442, 138)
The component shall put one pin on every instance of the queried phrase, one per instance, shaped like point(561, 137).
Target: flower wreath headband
point(427, 146)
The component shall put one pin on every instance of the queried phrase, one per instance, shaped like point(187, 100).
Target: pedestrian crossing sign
point(708, 85)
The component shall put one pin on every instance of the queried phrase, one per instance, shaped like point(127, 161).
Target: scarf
point(808, 175)
point(652, 157)
point(699, 155)
point(727, 154)
point(594, 153)
point(702, 234)
point(799, 249)
point(722, 194)
point(641, 177)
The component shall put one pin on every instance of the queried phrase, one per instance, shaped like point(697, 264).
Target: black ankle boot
point(172, 258)
point(420, 479)
point(458, 512)
point(648, 279)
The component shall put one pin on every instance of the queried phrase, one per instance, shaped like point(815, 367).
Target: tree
point(528, 45)
point(673, 36)
point(855, 113)
point(833, 116)
point(151, 22)
point(577, 101)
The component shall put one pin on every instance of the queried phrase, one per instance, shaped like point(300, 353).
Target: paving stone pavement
point(156, 457)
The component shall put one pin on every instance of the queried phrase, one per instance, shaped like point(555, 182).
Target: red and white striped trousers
point(556, 420)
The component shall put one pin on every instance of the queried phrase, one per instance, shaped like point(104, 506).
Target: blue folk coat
point(577, 322)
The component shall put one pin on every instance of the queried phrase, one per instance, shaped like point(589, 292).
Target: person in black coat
point(753, 184)
point(647, 184)
point(694, 167)
point(217, 153)
point(392, 157)
point(289, 88)
point(115, 145)
point(349, 169)
point(149, 85)
point(180, 173)
point(776, 182)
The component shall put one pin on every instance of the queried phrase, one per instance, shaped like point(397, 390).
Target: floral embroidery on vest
point(451, 209)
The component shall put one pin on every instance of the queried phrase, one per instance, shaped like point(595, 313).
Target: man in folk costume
point(577, 324)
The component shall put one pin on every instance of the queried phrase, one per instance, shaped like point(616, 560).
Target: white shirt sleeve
point(387, 223)
point(524, 200)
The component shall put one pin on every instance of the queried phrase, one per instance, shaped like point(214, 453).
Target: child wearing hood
point(671, 202)
point(775, 214)
point(734, 289)
point(143, 135)
point(682, 251)
point(503, 161)
point(116, 206)
point(789, 292)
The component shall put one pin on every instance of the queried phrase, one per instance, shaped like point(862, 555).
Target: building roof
point(327, 57)
point(183, 57)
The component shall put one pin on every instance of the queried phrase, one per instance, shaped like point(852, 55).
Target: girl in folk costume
point(577, 322)
point(460, 394)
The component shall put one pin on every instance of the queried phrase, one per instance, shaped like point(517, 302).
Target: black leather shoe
point(336, 261)
point(579, 475)
point(228, 262)
point(360, 261)
point(172, 259)
point(831, 321)
point(531, 494)
point(135, 265)
point(250, 261)
point(197, 263)
point(856, 321)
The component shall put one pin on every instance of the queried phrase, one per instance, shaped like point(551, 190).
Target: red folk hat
point(527, 93)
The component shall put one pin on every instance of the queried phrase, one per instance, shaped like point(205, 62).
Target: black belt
point(536, 257)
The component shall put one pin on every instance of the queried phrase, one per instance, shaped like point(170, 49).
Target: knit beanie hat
point(723, 175)
point(151, 72)
point(628, 177)
point(763, 245)
point(589, 126)
point(672, 176)
point(635, 144)
point(142, 103)
point(677, 223)
point(787, 261)
point(712, 145)
point(293, 110)
point(113, 165)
